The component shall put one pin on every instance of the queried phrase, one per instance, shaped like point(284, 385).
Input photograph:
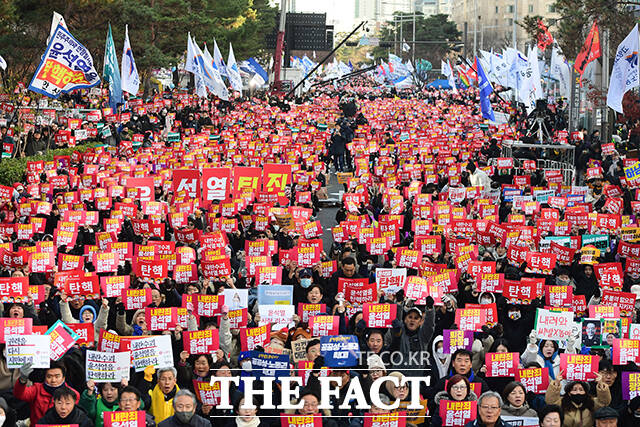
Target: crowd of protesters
point(420, 175)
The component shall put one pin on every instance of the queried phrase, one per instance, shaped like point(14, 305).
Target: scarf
point(442, 366)
point(50, 389)
point(255, 421)
point(548, 363)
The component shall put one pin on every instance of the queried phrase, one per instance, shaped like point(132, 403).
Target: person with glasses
point(458, 389)
point(130, 400)
point(611, 378)
point(489, 411)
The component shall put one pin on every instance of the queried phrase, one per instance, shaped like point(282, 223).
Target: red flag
point(545, 38)
point(589, 52)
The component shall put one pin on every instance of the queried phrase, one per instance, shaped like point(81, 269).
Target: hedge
point(13, 170)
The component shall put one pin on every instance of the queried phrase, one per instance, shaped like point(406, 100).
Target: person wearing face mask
point(7, 414)
point(577, 404)
point(586, 282)
point(438, 360)
point(517, 322)
point(445, 314)
point(184, 405)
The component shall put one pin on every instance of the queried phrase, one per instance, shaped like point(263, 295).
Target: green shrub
point(13, 170)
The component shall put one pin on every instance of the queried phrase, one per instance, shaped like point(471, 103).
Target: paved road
point(327, 215)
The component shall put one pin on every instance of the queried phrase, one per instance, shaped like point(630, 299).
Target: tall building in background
point(495, 18)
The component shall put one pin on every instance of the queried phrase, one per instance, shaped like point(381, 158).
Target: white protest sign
point(107, 367)
point(634, 331)
point(280, 315)
point(390, 280)
point(551, 325)
point(34, 349)
point(154, 351)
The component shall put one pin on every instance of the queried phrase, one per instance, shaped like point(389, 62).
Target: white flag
point(3, 63)
point(445, 70)
point(561, 72)
point(217, 58)
point(233, 71)
point(405, 46)
point(624, 75)
point(194, 64)
point(451, 78)
point(130, 80)
point(530, 89)
point(57, 19)
point(213, 80)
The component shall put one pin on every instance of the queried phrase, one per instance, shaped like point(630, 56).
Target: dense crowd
point(194, 229)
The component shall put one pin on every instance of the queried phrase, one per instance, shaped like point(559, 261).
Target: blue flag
point(485, 91)
point(111, 72)
point(257, 69)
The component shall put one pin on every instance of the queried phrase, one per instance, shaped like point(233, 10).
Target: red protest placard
point(535, 380)
point(524, 290)
point(300, 420)
point(208, 305)
point(250, 338)
point(357, 291)
point(490, 282)
point(106, 262)
point(270, 275)
point(201, 342)
point(207, 393)
point(42, 262)
point(540, 262)
point(625, 351)
point(185, 273)
point(455, 413)
point(62, 339)
point(324, 325)
point(625, 300)
point(559, 296)
point(216, 183)
point(238, 318)
point(394, 419)
point(187, 180)
point(135, 299)
point(124, 418)
point(305, 311)
point(446, 281)
point(14, 289)
point(579, 367)
point(79, 284)
point(112, 286)
point(161, 318)
point(15, 326)
point(609, 275)
point(109, 342)
point(156, 269)
point(85, 331)
point(379, 315)
point(471, 319)
point(502, 364)
point(406, 257)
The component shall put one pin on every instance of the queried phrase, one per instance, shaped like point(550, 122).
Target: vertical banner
point(216, 183)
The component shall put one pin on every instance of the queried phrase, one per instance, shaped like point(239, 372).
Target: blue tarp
point(440, 84)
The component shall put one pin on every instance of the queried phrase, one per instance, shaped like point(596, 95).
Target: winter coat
point(77, 416)
point(578, 417)
point(37, 397)
point(523, 411)
point(401, 342)
point(533, 354)
point(95, 406)
point(196, 421)
point(99, 323)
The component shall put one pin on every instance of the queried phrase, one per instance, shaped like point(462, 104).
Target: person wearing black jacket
point(65, 410)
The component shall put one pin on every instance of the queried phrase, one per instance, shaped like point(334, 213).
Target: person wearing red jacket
point(39, 396)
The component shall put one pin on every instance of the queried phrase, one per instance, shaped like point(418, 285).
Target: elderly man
point(130, 400)
point(158, 399)
point(184, 405)
point(489, 405)
point(606, 417)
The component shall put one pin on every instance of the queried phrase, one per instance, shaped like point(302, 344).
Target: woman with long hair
point(577, 404)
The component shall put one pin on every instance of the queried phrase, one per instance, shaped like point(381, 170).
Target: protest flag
point(130, 78)
point(485, 91)
point(589, 52)
point(111, 72)
point(624, 75)
point(59, 73)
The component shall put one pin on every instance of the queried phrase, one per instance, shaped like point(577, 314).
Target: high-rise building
point(492, 21)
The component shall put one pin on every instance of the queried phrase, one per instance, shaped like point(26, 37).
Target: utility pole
point(475, 27)
point(515, 17)
point(413, 44)
point(604, 83)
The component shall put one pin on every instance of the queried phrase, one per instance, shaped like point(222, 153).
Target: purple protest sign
point(454, 339)
point(630, 385)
